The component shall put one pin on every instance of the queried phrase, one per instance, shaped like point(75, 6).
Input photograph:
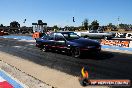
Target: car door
point(60, 42)
point(51, 41)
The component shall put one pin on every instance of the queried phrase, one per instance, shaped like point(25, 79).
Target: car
point(97, 34)
point(3, 33)
point(68, 42)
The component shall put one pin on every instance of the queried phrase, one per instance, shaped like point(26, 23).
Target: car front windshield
point(70, 36)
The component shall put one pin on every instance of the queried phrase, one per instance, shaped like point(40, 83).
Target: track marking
point(23, 39)
point(32, 44)
point(17, 46)
point(15, 38)
point(106, 48)
point(1, 79)
point(116, 49)
point(13, 81)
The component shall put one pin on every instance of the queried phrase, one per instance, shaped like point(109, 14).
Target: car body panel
point(98, 35)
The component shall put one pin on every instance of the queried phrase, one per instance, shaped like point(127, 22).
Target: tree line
point(86, 25)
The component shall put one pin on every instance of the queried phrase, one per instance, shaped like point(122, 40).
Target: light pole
point(118, 20)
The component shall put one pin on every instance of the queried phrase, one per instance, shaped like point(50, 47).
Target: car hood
point(85, 42)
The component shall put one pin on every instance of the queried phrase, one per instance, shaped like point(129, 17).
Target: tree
point(1, 25)
point(85, 24)
point(14, 26)
point(72, 28)
point(56, 28)
point(111, 26)
point(124, 26)
point(66, 28)
point(94, 25)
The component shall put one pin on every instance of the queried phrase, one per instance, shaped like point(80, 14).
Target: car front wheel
point(76, 52)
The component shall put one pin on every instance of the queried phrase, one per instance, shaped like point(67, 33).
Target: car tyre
point(44, 49)
point(98, 54)
point(76, 52)
point(106, 38)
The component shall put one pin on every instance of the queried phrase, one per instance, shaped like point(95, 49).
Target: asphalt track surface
point(109, 65)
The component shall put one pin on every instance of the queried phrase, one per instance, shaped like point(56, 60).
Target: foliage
point(94, 25)
point(56, 28)
point(124, 26)
point(85, 24)
point(1, 25)
point(111, 26)
point(72, 28)
point(14, 24)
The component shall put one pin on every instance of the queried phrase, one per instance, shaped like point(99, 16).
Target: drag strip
point(109, 65)
point(24, 38)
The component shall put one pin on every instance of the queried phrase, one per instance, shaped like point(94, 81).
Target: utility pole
point(118, 20)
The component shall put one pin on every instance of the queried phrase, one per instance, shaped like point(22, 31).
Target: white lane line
point(106, 48)
point(31, 44)
point(28, 40)
point(14, 38)
point(23, 39)
point(17, 46)
point(116, 49)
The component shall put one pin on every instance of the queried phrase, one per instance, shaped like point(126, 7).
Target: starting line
point(6, 81)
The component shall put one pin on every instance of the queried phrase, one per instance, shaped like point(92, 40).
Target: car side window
point(51, 36)
point(45, 37)
point(59, 37)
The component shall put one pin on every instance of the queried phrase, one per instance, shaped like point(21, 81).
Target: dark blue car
point(68, 42)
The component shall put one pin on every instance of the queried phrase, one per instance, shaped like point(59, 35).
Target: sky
point(61, 12)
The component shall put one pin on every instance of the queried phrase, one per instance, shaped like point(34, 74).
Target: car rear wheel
point(44, 49)
point(76, 52)
point(105, 37)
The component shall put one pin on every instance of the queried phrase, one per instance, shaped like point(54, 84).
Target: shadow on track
point(101, 56)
